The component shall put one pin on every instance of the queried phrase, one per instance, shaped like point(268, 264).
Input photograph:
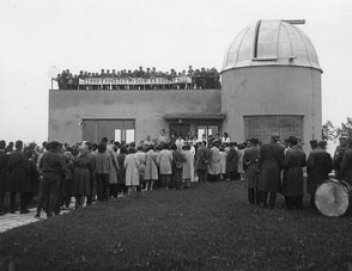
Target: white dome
point(271, 43)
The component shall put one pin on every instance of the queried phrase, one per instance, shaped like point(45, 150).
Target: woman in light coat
point(131, 165)
point(151, 168)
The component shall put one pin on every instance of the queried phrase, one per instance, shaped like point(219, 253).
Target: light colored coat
point(151, 167)
point(188, 166)
point(165, 162)
point(214, 165)
point(222, 162)
point(132, 169)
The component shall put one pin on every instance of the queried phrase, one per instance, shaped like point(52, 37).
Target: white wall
point(272, 90)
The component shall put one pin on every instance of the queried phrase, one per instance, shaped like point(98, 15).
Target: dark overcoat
point(82, 176)
point(338, 156)
point(121, 172)
point(203, 157)
point(3, 171)
point(250, 161)
point(346, 167)
point(294, 161)
point(18, 173)
point(319, 165)
point(270, 163)
point(232, 161)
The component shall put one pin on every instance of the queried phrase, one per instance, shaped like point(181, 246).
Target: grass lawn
point(208, 227)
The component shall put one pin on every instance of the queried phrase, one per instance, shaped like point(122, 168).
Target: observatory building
point(270, 83)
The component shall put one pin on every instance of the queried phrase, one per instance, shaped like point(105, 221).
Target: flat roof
point(198, 116)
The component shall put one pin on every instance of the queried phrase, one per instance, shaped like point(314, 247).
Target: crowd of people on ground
point(140, 79)
point(88, 172)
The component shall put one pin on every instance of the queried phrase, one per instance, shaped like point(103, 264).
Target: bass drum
point(333, 197)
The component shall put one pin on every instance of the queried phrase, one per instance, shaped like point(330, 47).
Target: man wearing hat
point(339, 153)
point(295, 160)
point(319, 165)
point(346, 164)
point(250, 164)
point(53, 169)
point(270, 164)
point(3, 179)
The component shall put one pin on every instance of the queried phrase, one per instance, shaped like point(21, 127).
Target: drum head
point(332, 199)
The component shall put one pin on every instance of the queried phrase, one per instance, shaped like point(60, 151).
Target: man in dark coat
point(232, 162)
point(3, 175)
point(53, 166)
point(346, 164)
point(250, 165)
point(339, 152)
point(319, 165)
point(294, 161)
point(202, 161)
point(19, 180)
point(177, 166)
point(270, 163)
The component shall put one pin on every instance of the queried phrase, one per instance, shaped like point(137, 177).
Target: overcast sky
point(90, 35)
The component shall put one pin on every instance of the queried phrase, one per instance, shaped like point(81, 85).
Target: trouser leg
point(24, 200)
point(67, 192)
point(59, 197)
point(100, 184)
point(257, 196)
point(2, 200)
point(264, 198)
point(89, 200)
point(106, 187)
point(288, 202)
point(272, 199)
point(53, 194)
point(312, 199)
point(13, 201)
point(299, 202)
point(251, 195)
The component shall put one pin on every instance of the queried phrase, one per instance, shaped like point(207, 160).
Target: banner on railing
point(134, 81)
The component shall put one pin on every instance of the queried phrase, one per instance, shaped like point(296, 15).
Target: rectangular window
point(93, 130)
point(118, 135)
point(130, 136)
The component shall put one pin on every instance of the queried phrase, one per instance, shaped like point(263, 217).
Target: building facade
point(271, 83)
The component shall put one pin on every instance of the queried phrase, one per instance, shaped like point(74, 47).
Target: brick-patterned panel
point(262, 127)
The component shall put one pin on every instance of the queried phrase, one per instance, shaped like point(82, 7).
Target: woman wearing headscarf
point(82, 176)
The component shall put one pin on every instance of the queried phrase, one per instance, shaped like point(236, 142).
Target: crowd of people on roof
point(139, 79)
point(89, 172)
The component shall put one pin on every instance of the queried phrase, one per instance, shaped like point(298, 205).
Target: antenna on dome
point(298, 21)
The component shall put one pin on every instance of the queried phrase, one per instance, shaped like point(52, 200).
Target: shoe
point(25, 211)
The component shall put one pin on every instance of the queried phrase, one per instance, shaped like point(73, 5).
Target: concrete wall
point(272, 91)
point(68, 108)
